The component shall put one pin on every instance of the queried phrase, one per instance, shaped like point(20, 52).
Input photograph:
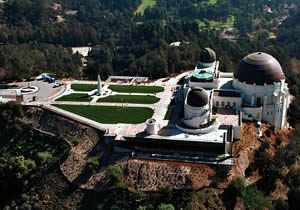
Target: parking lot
point(46, 91)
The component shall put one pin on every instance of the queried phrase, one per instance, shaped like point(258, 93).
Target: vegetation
point(94, 162)
point(83, 87)
point(135, 89)
point(250, 195)
point(24, 152)
point(117, 176)
point(75, 97)
point(145, 4)
point(110, 114)
point(169, 113)
point(22, 61)
point(136, 99)
point(166, 207)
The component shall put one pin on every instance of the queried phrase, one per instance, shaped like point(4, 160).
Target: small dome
point(207, 55)
point(259, 68)
point(197, 97)
point(202, 76)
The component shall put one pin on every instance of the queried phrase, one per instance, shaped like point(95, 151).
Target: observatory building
point(261, 81)
point(211, 106)
point(256, 89)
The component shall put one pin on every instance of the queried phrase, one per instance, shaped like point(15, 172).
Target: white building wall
point(207, 66)
point(252, 92)
point(274, 99)
point(190, 112)
point(236, 132)
point(206, 85)
point(218, 101)
point(252, 113)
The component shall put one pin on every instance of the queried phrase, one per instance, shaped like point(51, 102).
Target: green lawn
point(134, 99)
point(169, 114)
point(145, 4)
point(81, 97)
point(83, 87)
point(111, 114)
point(135, 89)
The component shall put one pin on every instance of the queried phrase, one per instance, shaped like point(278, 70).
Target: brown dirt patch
point(154, 175)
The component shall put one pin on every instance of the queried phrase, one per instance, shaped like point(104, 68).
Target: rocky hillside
point(268, 167)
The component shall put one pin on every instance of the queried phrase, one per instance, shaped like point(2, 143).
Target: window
point(228, 103)
point(223, 104)
point(234, 104)
point(217, 103)
point(258, 102)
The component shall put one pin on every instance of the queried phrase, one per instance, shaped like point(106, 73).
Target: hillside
point(269, 165)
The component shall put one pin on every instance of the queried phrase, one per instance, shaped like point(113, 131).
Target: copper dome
point(259, 68)
point(197, 97)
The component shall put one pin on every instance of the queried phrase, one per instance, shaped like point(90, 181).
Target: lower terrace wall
point(174, 145)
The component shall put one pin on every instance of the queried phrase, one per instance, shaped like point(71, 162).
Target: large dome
point(207, 55)
point(259, 68)
point(197, 97)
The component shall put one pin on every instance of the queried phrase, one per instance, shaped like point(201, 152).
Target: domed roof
point(207, 55)
point(197, 97)
point(259, 68)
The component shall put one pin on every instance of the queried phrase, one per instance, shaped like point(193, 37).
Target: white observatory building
point(260, 79)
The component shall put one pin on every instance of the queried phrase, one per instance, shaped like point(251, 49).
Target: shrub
point(166, 207)
point(19, 166)
point(93, 162)
point(238, 186)
point(117, 176)
point(255, 199)
point(45, 157)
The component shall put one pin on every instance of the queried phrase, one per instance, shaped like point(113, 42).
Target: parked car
point(57, 83)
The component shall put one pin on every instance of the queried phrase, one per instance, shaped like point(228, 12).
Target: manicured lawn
point(145, 4)
point(83, 87)
point(75, 97)
point(135, 89)
point(134, 99)
point(169, 114)
point(111, 114)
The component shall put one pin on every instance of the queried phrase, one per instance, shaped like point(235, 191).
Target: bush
point(166, 207)
point(117, 176)
point(93, 162)
point(238, 186)
point(45, 157)
point(255, 199)
point(19, 166)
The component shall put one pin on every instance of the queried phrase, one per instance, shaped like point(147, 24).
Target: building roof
point(202, 76)
point(197, 97)
point(207, 55)
point(259, 68)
